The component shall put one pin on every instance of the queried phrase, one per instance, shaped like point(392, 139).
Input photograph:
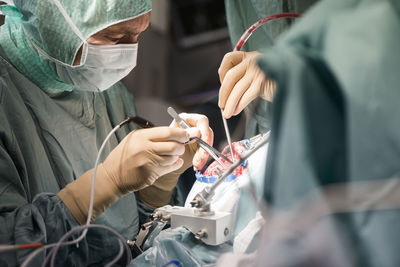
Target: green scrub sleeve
point(44, 220)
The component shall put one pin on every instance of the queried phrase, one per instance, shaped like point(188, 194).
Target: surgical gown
point(337, 118)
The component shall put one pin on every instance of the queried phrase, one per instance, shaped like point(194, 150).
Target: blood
point(238, 149)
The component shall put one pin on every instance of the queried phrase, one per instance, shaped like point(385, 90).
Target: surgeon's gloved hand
point(159, 194)
point(200, 128)
point(142, 157)
point(242, 81)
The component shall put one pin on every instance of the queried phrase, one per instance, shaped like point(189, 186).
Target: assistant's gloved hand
point(142, 157)
point(159, 194)
point(242, 81)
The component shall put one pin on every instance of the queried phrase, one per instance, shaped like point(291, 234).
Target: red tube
point(31, 245)
point(256, 25)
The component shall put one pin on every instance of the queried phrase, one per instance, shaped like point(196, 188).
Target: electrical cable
point(85, 228)
point(73, 231)
point(6, 248)
point(120, 253)
point(90, 212)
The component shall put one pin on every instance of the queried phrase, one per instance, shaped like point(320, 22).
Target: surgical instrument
point(202, 199)
point(171, 111)
point(213, 227)
point(228, 135)
point(139, 121)
point(143, 123)
point(211, 148)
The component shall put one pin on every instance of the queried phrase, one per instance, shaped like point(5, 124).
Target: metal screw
point(218, 172)
point(195, 203)
point(226, 231)
point(130, 242)
point(201, 234)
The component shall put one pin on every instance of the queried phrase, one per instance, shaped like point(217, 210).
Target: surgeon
point(60, 66)
point(335, 125)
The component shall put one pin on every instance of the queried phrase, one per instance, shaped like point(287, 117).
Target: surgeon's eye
point(114, 40)
point(128, 39)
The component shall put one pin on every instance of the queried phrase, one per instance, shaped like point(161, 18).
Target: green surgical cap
point(45, 25)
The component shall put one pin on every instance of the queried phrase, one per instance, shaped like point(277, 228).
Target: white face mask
point(104, 65)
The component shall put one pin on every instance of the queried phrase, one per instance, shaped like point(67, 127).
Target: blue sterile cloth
point(181, 246)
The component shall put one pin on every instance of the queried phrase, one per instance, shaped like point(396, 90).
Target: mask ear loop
point(75, 30)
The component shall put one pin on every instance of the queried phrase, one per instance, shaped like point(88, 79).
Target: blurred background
point(178, 58)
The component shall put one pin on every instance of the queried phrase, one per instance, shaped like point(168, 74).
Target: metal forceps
point(219, 154)
point(209, 149)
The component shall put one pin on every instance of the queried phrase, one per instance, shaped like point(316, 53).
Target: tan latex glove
point(242, 81)
point(159, 194)
point(142, 157)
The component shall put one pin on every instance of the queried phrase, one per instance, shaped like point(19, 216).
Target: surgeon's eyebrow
point(118, 31)
point(121, 31)
point(134, 26)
